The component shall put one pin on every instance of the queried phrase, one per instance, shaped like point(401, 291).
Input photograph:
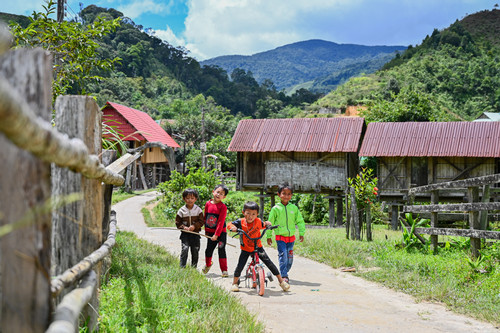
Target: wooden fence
point(54, 199)
point(477, 210)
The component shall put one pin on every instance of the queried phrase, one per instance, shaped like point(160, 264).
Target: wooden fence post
point(474, 223)
point(78, 227)
point(25, 187)
point(434, 220)
point(340, 211)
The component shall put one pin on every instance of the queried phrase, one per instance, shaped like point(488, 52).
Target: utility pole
point(203, 144)
point(60, 10)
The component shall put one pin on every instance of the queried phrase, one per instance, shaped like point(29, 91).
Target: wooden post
point(340, 211)
point(128, 180)
point(261, 204)
point(356, 226)
point(141, 174)
point(368, 224)
point(474, 223)
point(78, 227)
point(331, 211)
point(25, 304)
point(348, 215)
point(434, 220)
point(134, 175)
point(394, 216)
point(484, 213)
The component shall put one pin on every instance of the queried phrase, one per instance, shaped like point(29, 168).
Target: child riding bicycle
point(252, 225)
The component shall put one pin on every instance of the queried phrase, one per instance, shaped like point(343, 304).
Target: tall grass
point(147, 291)
point(447, 277)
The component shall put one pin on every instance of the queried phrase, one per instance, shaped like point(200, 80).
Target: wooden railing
point(45, 230)
point(477, 209)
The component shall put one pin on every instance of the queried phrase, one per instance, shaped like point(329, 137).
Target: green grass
point(148, 292)
point(447, 277)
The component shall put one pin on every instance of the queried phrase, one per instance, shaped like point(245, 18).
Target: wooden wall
point(307, 172)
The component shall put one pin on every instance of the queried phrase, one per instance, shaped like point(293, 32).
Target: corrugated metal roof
point(340, 134)
point(468, 139)
point(134, 121)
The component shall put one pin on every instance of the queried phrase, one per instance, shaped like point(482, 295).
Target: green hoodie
point(286, 217)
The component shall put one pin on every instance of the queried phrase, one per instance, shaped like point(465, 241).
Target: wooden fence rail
point(476, 210)
point(55, 240)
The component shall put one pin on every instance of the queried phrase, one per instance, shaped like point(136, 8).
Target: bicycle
point(255, 269)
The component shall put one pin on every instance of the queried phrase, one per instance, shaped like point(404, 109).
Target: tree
point(72, 45)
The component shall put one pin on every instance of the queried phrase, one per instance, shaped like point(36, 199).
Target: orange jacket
point(252, 229)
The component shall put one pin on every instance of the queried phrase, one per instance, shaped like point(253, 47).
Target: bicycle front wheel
point(261, 280)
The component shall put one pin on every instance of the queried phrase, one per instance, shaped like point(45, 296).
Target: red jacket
point(215, 218)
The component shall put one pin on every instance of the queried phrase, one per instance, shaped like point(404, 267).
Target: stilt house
point(314, 155)
point(413, 154)
point(138, 128)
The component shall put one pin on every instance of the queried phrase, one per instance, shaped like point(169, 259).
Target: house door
point(419, 171)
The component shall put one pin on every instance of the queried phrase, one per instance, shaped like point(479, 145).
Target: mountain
point(454, 74)
point(314, 64)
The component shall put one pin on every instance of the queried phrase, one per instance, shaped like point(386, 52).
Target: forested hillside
point(317, 65)
point(454, 74)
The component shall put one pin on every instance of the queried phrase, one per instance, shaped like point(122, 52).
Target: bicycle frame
point(255, 269)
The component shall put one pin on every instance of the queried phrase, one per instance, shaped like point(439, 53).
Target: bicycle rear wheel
point(261, 281)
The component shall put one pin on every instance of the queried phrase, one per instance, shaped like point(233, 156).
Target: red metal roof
point(468, 139)
point(340, 134)
point(135, 125)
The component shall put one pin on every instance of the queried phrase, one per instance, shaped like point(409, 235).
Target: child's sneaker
point(224, 274)
point(235, 288)
point(284, 285)
point(206, 269)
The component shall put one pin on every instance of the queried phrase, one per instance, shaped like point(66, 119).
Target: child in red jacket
point(252, 225)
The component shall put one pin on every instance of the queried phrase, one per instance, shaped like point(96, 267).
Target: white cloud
point(135, 9)
point(219, 27)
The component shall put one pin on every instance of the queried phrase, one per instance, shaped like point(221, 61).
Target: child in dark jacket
point(252, 225)
point(189, 218)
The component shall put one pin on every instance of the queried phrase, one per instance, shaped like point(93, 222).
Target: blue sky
point(210, 28)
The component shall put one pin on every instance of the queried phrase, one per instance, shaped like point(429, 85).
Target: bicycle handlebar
point(241, 231)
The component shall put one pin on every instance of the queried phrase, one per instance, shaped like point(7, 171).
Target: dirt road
point(321, 299)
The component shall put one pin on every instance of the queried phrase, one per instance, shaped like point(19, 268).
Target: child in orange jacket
point(252, 225)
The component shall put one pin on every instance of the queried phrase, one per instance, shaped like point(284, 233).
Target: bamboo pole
point(68, 311)
point(187, 231)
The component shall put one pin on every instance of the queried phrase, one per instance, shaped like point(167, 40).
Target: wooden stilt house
point(314, 155)
point(414, 154)
point(138, 128)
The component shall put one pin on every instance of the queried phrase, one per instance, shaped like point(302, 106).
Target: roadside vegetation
point(146, 291)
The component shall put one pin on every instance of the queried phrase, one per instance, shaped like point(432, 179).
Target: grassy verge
point(449, 277)
point(148, 292)
point(120, 195)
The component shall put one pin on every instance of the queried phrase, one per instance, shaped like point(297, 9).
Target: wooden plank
point(121, 164)
point(460, 232)
point(78, 227)
point(25, 186)
point(464, 207)
point(477, 181)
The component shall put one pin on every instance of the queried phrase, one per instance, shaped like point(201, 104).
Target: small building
point(314, 155)
point(413, 154)
point(489, 116)
point(138, 128)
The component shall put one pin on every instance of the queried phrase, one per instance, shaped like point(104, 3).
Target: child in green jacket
point(286, 215)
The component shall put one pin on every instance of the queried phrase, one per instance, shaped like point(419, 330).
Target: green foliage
point(453, 75)
point(147, 291)
point(365, 188)
point(410, 241)
point(313, 207)
point(72, 45)
point(202, 181)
